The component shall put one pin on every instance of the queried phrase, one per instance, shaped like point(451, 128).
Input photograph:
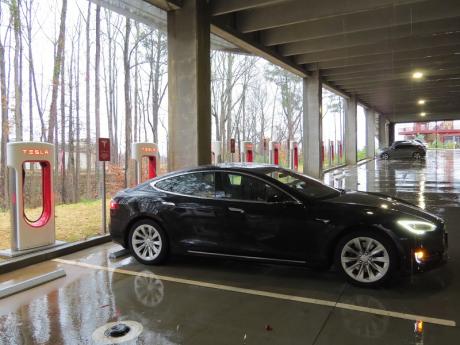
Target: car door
point(193, 217)
point(262, 221)
point(398, 151)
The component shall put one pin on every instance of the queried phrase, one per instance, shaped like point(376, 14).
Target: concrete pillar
point(312, 126)
point(391, 133)
point(350, 131)
point(383, 132)
point(189, 79)
point(370, 133)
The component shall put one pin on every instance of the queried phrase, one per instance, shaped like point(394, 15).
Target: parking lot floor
point(207, 301)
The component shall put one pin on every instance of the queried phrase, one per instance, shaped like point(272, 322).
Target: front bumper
point(435, 255)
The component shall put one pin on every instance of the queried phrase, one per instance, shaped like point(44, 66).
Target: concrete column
point(370, 133)
point(189, 84)
point(350, 131)
point(391, 133)
point(383, 132)
point(312, 126)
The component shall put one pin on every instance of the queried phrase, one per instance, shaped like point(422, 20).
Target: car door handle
point(167, 203)
point(234, 209)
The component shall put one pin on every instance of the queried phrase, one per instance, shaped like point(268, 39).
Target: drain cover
point(117, 332)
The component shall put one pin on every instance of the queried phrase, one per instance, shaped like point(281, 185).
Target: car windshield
point(308, 186)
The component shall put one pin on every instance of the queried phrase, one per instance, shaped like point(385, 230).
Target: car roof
point(257, 168)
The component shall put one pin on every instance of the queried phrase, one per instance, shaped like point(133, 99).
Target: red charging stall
point(27, 234)
point(149, 151)
point(274, 152)
point(247, 153)
point(216, 152)
point(294, 155)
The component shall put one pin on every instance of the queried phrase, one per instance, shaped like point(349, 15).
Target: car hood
point(383, 202)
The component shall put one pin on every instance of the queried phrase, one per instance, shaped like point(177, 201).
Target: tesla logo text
point(149, 149)
point(35, 152)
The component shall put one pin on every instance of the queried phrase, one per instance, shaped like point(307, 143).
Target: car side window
point(242, 187)
point(201, 184)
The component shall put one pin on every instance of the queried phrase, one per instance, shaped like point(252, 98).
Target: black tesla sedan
point(266, 213)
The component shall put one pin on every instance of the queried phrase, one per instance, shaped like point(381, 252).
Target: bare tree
point(56, 73)
point(5, 126)
point(87, 102)
point(127, 89)
point(17, 26)
point(97, 92)
point(62, 151)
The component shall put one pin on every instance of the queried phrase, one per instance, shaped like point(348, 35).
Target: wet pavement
point(203, 301)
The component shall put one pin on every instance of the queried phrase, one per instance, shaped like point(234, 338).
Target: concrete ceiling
point(367, 48)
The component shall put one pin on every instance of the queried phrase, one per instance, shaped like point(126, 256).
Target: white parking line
point(383, 312)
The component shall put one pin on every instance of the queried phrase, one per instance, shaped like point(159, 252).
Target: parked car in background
point(265, 213)
point(403, 150)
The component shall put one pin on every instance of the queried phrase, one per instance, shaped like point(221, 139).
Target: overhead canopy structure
point(364, 48)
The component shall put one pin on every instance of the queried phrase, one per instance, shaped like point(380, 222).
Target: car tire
point(148, 242)
point(385, 156)
point(366, 258)
point(417, 156)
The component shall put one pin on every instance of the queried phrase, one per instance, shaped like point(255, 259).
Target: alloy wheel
point(146, 242)
point(365, 259)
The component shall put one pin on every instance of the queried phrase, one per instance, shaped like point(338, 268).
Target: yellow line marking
point(382, 312)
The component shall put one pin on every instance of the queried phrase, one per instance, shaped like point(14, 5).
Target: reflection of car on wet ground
point(404, 150)
point(266, 213)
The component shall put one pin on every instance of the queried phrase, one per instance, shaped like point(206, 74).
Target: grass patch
point(74, 222)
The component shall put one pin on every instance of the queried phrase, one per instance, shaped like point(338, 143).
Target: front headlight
point(417, 227)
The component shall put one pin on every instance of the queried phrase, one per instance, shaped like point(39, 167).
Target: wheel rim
point(365, 259)
point(385, 156)
point(417, 155)
point(146, 242)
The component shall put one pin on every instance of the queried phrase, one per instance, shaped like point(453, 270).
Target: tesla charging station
point(216, 152)
point(149, 150)
point(294, 155)
point(274, 152)
point(247, 154)
point(30, 235)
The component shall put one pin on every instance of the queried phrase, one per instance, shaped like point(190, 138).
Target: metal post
point(104, 206)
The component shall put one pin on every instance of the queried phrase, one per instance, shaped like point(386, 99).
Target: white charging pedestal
point(149, 150)
point(216, 152)
point(30, 235)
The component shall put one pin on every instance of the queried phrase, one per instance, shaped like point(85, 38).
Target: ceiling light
point(422, 114)
point(421, 101)
point(417, 75)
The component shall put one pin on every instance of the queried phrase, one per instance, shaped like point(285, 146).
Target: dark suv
point(403, 149)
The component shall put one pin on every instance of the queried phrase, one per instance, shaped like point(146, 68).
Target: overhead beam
point(304, 10)
point(379, 36)
point(253, 47)
point(392, 74)
point(167, 5)
point(415, 117)
point(434, 63)
point(408, 14)
point(394, 46)
point(370, 83)
point(453, 75)
point(219, 7)
point(420, 55)
point(453, 87)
